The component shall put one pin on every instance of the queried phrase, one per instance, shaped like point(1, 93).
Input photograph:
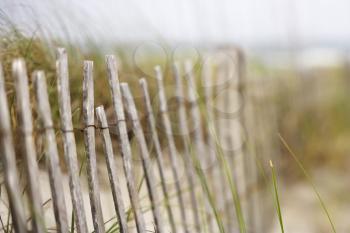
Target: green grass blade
point(277, 201)
point(309, 179)
point(206, 190)
point(227, 171)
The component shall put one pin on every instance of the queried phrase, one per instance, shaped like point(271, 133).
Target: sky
point(245, 22)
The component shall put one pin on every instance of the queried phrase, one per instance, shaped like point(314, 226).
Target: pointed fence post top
point(144, 87)
point(113, 79)
point(192, 90)
point(62, 63)
point(88, 93)
point(129, 101)
point(101, 116)
point(42, 98)
point(20, 76)
point(178, 82)
point(112, 67)
point(63, 89)
point(5, 126)
point(162, 98)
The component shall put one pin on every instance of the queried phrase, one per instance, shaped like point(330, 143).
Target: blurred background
point(297, 66)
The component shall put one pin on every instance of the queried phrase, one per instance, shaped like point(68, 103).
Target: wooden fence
point(216, 194)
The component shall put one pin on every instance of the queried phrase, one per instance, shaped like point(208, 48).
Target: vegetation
point(306, 123)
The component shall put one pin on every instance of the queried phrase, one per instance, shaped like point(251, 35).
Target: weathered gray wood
point(89, 139)
point(257, 130)
point(124, 140)
point(198, 131)
point(70, 151)
point(238, 139)
point(220, 128)
point(195, 113)
point(145, 157)
point(9, 162)
point(111, 166)
point(256, 202)
point(163, 108)
point(158, 150)
point(214, 169)
point(207, 82)
point(19, 73)
point(185, 135)
point(194, 108)
point(236, 135)
point(51, 157)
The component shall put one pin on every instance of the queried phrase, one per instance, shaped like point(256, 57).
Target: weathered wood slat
point(158, 150)
point(19, 73)
point(9, 162)
point(185, 134)
point(145, 157)
point(89, 139)
point(241, 162)
point(191, 215)
point(235, 137)
point(163, 108)
point(52, 160)
point(111, 166)
point(213, 169)
point(124, 140)
point(194, 108)
point(202, 154)
point(223, 140)
point(255, 201)
point(70, 151)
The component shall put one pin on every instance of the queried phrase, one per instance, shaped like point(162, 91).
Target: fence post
point(89, 139)
point(236, 156)
point(185, 135)
point(163, 108)
point(69, 139)
point(113, 178)
point(221, 137)
point(158, 150)
point(9, 162)
point(240, 157)
point(19, 73)
point(124, 140)
point(216, 175)
point(194, 107)
point(51, 157)
point(252, 173)
point(145, 157)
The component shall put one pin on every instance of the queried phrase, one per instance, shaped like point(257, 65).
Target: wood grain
point(158, 150)
point(163, 108)
point(185, 135)
point(51, 152)
point(8, 159)
point(89, 139)
point(111, 167)
point(124, 140)
point(24, 111)
point(69, 144)
point(130, 108)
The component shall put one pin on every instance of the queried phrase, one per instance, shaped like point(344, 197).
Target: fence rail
point(201, 202)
